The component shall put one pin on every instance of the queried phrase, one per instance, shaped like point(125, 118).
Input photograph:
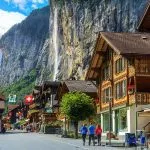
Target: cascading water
point(55, 43)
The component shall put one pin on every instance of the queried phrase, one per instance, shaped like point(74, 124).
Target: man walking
point(84, 131)
point(91, 134)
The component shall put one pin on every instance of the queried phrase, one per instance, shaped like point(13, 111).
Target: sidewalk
point(79, 145)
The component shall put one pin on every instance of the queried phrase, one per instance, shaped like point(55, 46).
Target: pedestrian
point(91, 131)
point(98, 132)
point(84, 131)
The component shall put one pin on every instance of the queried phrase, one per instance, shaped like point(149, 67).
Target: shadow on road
point(13, 132)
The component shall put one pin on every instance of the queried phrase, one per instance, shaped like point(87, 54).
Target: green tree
point(77, 106)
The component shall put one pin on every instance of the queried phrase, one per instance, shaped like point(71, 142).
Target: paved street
point(36, 141)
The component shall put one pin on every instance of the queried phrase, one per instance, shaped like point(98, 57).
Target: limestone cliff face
point(25, 47)
point(74, 27)
point(59, 43)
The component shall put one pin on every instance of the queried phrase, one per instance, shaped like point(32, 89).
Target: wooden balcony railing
point(142, 66)
point(142, 98)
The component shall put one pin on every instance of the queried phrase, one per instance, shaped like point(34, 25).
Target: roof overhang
point(2, 105)
point(144, 24)
point(97, 58)
point(50, 84)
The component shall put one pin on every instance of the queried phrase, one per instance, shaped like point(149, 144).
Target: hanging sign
point(12, 98)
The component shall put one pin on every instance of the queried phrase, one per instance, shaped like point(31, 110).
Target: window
point(131, 61)
point(121, 89)
point(106, 122)
point(120, 65)
point(106, 94)
point(106, 73)
point(123, 119)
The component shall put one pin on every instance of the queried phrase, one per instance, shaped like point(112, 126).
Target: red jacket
point(98, 131)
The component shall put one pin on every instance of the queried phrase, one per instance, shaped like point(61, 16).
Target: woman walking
point(98, 132)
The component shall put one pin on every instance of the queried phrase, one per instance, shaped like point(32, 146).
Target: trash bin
point(143, 140)
point(130, 139)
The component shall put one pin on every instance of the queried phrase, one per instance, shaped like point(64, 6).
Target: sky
point(14, 11)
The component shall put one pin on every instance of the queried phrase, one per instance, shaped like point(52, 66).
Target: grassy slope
point(22, 87)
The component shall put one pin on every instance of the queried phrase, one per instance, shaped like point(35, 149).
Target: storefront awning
point(30, 112)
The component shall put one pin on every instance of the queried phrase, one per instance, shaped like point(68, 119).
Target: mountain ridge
point(22, 44)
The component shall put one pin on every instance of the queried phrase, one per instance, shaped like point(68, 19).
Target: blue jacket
point(91, 129)
point(83, 130)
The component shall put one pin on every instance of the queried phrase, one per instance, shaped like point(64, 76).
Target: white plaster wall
point(132, 128)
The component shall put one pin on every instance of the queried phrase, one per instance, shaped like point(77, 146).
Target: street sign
point(12, 98)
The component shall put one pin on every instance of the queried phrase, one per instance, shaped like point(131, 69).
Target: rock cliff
point(25, 47)
point(74, 27)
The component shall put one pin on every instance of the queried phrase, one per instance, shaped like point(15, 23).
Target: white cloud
point(23, 3)
point(8, 19)
point(34, 6)
point(38, 1)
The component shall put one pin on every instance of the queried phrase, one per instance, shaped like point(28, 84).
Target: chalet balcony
point(142, 98)
point(142, 66)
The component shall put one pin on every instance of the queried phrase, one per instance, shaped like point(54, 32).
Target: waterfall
point(55, 43)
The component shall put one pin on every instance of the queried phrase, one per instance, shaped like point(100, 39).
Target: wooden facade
point(121, 69)
point(42, 107)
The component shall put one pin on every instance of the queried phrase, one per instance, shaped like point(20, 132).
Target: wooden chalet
point(49, 89)
point(88, 87)
point(41, 108)
point(121, 67)
point(12, 113)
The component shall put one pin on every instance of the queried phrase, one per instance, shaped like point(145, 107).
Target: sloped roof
point(2, 98)
point(12, 107)
point(83, 86)
point(128, 43)
point(35, 92)
point(52, 84)
point(144, 24)
point(2, 105)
